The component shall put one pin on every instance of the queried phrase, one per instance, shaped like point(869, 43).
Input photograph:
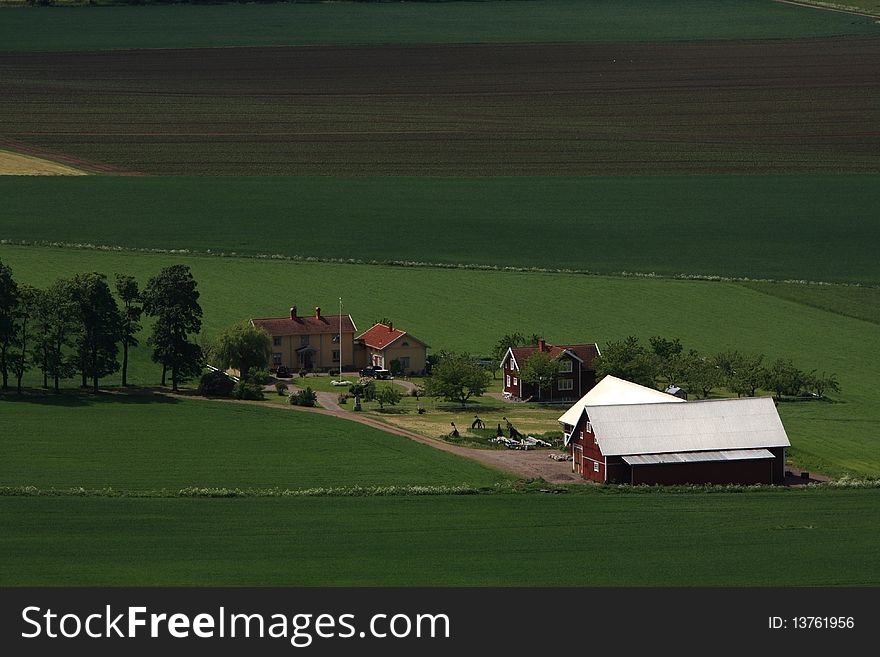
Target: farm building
point(311, 341)
point(382, 345)
point(576, 375)
point(621, 432)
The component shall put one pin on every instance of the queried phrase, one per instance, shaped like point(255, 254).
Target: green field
point(415, 22)
point(785, 538)
point(469, 310)
point(144, 443)
point(809, 227)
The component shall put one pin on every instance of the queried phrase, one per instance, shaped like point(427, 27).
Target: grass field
point(537, 109)
point(785, 538)
point(474, 308)
point(455, 22)
point(134, 443)
point(813, 227)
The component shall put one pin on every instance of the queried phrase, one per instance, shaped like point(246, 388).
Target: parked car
point(282, 372)
point(376, 372)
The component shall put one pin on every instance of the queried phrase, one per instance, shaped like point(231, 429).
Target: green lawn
point(784, 538)
point(414, 22)
point(468, 310)
point(755, 226)
point(138, 443)
point(857, 302)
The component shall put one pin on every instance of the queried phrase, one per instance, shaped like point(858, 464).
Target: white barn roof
point(723, 424)
point(611, 390)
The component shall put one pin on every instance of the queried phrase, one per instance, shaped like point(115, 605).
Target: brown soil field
point(541, 109)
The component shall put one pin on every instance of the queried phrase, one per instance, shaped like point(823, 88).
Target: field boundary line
point(115, 248)
point(840, 9)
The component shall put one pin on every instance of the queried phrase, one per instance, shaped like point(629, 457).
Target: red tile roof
point(586, 352)
point(309, 325)
point(380, 336)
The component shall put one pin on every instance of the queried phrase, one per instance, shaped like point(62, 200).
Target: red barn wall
point(756, 471)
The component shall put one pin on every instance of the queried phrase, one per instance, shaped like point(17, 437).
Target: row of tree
point(665, 362)
point(76, 326)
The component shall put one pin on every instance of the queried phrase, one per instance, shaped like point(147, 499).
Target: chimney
point(390, 326)
point(542, 346)
point(317, 312)
point(293, 313)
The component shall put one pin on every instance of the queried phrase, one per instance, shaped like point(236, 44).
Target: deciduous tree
point(99, 334)
point(8, 302)
point(172, 298)
point(242, 346)
point(457, 378)
point(540, 370)
point(129, 293)
point(629, 360)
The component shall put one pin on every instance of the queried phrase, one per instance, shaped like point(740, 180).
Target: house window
point(336, 355)
point(514, 381)
point(405, 344)
point(404, 363)
point(565, 366)
point(276, 341)
point(566, 384)
point(276, 359)
point(588, 427)
point(595, 466)
point(335, 338)
point(508, 380)
point(303, 340)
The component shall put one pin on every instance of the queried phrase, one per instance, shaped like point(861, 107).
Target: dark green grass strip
point(415, 22)
point(813, 227)
point(857, 302)
point(762, 539)
point(143, 443)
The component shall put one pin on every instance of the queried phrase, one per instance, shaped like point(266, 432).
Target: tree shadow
point(73, 398)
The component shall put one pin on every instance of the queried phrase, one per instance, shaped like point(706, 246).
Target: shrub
point(260, 377)
point(216, 384)
point(342, 399)
point(305, 397)
point(281, 387)
point(396, 367)
point(246, 390)
point(333, 372)
point(302, 373)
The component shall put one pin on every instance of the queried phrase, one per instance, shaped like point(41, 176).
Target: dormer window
point(565, 365)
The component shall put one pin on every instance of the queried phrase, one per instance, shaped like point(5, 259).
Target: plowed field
point(541, 109)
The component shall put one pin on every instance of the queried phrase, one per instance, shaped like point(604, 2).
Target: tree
point(668, 357)
point(457, 378)
point(540, 370)
point(172, 298)
point(506, 342)
point(242, 346)
point(129, 294)
point(629, 360)
point(700, 373)
point(8, 302)
point(783, 378)
point(822, 383)
point(99, 327)
point(396, 367)
point(388, 395)
point(741, 373)
point(22, 333)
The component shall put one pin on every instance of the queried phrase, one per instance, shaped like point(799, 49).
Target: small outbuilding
point(621, 432)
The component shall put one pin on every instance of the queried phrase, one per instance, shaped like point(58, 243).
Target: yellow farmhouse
point(312, 341)
point(383, 344)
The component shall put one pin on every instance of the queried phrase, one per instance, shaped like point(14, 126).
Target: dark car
point(376, 372)
point(282, 372)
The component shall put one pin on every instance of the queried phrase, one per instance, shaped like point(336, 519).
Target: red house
point(621, 432)
point(576, 375)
